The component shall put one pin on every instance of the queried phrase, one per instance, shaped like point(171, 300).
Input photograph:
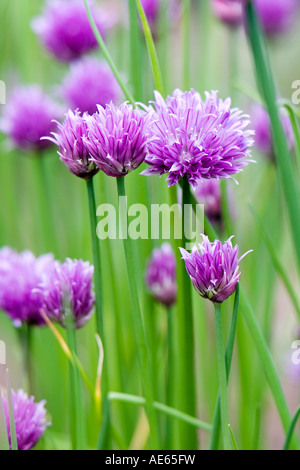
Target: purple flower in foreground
point(213, 268)
point(28, 116)
point(118, 138)
point(20, 273)
point(72, 149)
point(67, 291)
point(90, 82)
point(197, 139)
point(263, 134)
point(64, 28)
point(228, 11)
point(30, 419)
point(161, 275)
point(276, 16)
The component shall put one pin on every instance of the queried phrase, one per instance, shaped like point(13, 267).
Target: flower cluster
point(67, 293)
point(90, 82)
point(197, 139)
point(30, 419)
point(213, 268)
point(28, 117)
point(228, 11)
point(161, 275)
point(29, 285)
point(65, 31)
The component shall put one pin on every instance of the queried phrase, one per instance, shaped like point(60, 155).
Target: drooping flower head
point(28, 116)
point(90, 82)
point(197, 139)
point(118, 138)
point(20, 273)
point(30, 419)
point(161, 275)
point(263, 133)
point(64, 28)
point(276, 16)
point(213, 268)
point(72, 149)
point(228, 11)
point(67, 292)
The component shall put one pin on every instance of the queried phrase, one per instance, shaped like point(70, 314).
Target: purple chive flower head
point(197, 139)
point(72, 149)
point(118, 138)
point(213, 268)
point(30, 419)
point(28, 116)
point(64, 28)
point(276, 16)
point(20, 273)
point(228, 11)
point(161, 275)
point(151, 9)
point(263, 134)
point(90, 82)
point(68, 296)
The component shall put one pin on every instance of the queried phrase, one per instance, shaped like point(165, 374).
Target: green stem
point(135, 51)
point(169, 374)
point(185, 341)
point(4, 445)
point(107, 55)
point(228, 360)
point(12, 424)
point(143, 351)
point(186, 46)
point(222, 379)
point(226, 208)
point(291, 430)
point(96, 258)
point(126, 398)
point(76, 394)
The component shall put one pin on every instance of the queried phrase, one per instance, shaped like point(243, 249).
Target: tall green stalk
point(143, 351)
point(222, 379)
point(186, 43)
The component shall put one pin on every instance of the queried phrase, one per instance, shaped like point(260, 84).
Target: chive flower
point(28, 116)
point(228, 11)
point(20, 273)
point(276, 16)
point(161, 275)
point(72, 148)
point(67, 293)
point(88, 83)
point(213, 268)
point(118, 138)
point(30, 419)
point(197, 139)
point(263, 133)
point(64, 28)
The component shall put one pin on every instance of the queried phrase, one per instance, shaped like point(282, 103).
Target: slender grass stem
point(169, 411)
point(222, 379)
point(185, 340)
point(12, 424)
point(96, 258)
point(291, 430)
point(135, 51)
point(143, 351)
point(186, 43)
point(169, 375)
point(76, 395)
point(228, 360)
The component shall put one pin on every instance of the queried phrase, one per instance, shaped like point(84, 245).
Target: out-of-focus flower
point(118, 138)
point(161, 275)
point(28, 116)
point(64, 28)
point(90, 82)
point(263, 133)
point(72, 149)
point(276, 16)
point(20, 273)
point(197, 139)
point(213, 268)
point(228, 11)
point(30, 419)
point(151, 9)
point(67, 293)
